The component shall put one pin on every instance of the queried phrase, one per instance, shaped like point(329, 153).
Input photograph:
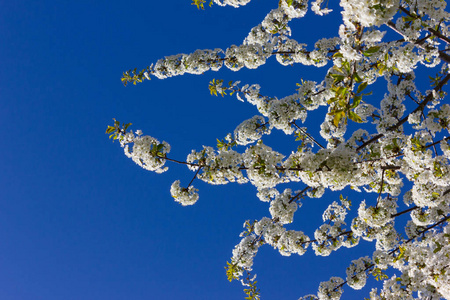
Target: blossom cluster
point(146, 151)
point(185, 196)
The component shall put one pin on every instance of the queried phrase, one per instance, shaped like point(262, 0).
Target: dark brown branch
point(299, 194)
point(178, 161)
point(195, 176)
point(404, 212)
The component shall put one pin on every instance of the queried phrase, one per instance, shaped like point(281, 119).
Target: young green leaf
point(361, 87)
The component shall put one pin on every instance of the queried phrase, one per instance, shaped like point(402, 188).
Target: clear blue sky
point(79, 220)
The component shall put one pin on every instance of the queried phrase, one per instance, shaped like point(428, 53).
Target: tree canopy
point(390, 147)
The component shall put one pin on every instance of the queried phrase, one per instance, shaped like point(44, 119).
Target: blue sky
point(79, 220)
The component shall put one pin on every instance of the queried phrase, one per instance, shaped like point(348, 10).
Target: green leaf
point(337, 118)
point(331, 100)
point(438, 248)
point(371, 51)
point(199, 3)
point(110, 129)
point(346, 66)
point(232, 270)
point(357, 78)
point(356, 101)
point(408, 18)
point(340, 91)
point(361, 87)
point(337, 77)
point(354, 117)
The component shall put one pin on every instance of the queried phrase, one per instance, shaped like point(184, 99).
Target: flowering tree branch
point(396, 152)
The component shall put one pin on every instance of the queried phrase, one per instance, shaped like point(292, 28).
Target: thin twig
point(196, 173)
point(381, 187)
point(308, 135)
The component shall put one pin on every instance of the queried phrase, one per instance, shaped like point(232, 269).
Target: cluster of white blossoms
point(282, 208)
point(400, 152)
point(379, 215)
point(283, 112)
point(251, 130)
point(146, 151)
point(369, 12)
point(329, 238)
point(262, 165)
point(185, 196)
point(335, 211)
point(331, 290)
point(424, 267)
point(286, 241)
point(218, 167)
point(262, 42)
point(356, 272)
point(234, 3)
